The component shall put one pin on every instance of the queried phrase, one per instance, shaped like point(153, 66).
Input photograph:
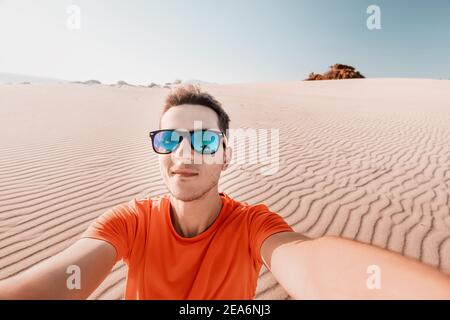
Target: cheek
point(212, 172)
point(164, 164)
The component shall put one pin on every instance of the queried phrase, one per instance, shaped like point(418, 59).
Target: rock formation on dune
point(336, 72)
point(121, 83)
point(173, 84)
point(88, 82)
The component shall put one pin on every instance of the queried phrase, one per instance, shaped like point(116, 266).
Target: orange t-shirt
point(223, 262)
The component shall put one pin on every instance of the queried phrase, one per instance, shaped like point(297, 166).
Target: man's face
point(188, 179)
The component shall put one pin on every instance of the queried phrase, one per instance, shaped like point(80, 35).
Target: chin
point(185, 196)
point(189, 192)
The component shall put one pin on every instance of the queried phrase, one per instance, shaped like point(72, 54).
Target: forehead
point(186, 116)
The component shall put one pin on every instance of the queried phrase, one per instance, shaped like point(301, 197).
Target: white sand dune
point(364, 159)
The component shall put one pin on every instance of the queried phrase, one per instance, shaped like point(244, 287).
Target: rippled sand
point(364, 159)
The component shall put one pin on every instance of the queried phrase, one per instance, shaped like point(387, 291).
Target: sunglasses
point(202, 141)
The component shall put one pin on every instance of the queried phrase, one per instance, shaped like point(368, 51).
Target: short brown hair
point(193, 95)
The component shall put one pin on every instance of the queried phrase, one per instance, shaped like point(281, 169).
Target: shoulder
point(148, 204)
point(136, 207)
point(248, 211)
point(143, 203)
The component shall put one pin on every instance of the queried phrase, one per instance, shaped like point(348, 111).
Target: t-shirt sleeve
point(116, 226)
point(264, 223)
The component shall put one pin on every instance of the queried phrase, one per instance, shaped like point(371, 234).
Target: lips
point(184, 173)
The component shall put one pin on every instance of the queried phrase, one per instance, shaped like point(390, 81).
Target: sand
point(364, 159)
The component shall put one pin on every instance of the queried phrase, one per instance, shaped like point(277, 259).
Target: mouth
point(184, 174)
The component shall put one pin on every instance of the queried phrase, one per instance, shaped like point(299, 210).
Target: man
point(199, 243)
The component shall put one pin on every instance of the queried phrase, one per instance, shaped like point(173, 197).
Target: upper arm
point(276, 240)
point(73, 273)
point(118, 226)
point(263, 224)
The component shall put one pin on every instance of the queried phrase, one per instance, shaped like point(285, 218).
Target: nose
point(183, 153)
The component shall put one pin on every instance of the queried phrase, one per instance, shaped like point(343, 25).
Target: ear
point(227, 155)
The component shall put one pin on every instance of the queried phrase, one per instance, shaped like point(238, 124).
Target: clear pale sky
point(143, 41)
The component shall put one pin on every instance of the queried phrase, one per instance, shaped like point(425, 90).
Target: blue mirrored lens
point(166, 141)
point(205, 142)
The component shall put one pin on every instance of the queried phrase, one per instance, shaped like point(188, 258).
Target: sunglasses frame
point(152, 134)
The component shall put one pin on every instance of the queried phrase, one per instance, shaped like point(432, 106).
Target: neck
point(194, 217)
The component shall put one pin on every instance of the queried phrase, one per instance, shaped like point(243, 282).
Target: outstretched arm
point(338, 268)
point(93, 259)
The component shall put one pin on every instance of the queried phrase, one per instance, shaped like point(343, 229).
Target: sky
point(222, 41)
